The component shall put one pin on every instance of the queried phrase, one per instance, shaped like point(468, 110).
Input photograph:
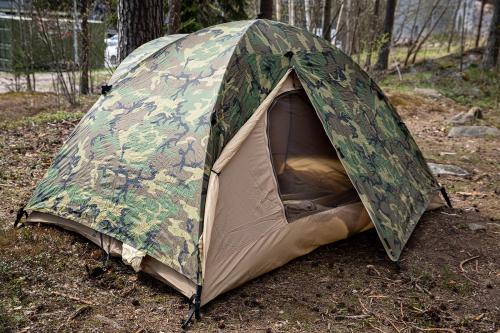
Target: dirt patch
point(448, 276)
point(427, 120)
point(18, 105)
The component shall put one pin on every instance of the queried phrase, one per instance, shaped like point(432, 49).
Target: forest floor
point(448, 280)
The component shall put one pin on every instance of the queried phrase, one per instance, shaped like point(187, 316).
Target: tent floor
point(298, 205)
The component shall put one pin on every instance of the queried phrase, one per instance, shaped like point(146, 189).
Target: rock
point(476, 226)
point(475, 92)
point(473, 131)
point(447, 170)
point(429, 92)
point(466, 117)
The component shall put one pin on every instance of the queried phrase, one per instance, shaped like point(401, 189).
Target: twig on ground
point(74, 298)
point(450, 214)
point(376, 328)
point(435, 329)
point(422, 289)
point(373, 268)
point(78, 312)
point(463, 262)
point(363, 316)
point(365, 310)
point(471, 280)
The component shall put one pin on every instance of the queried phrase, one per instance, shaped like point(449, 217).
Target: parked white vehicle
point(111, 53)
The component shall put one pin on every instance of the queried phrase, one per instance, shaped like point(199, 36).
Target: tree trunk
point(452, 31)
point(85, 52)
point(490, 58)
point(278, 10)
point(266, 9)
point(373, 29)
point(307, 10)
point(174, 16)
point(346, 42)
point(291, 12)
point(354, 48)
point(139, 21)
point(339, 20)
point(421, 42)
point(462, 36)
point(383, 55)
point(327, 18)
point(480, 24)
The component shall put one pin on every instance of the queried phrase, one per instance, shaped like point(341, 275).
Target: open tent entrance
point(277, 191)
point(310, 176)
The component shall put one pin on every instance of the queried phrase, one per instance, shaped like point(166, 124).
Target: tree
point(424, 31)
point(307, 11)
point(278, 10)
point(198, 14)
point(462, 36)
point(350, 18)
point(453, 24)
point(490, 58)
point(85, 51)
point(266, 9)
point(383, 55)
point(373, 28)
point(291, 12)
point(139, 21)
point(480, 24)
point(174, 16)
point(327, 20)
point(339, 20)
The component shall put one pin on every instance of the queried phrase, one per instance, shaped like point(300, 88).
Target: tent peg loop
point(194, 308)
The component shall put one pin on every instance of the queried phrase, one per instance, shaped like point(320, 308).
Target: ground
point(448, 279)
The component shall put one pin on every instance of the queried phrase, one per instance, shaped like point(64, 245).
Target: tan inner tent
point(310, 175)
point(278, 191)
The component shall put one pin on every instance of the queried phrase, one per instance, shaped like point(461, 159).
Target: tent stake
point(194, 308)
point(19, 216)
point(446, 197)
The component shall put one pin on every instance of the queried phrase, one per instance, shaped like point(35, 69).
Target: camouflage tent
point(220, 155)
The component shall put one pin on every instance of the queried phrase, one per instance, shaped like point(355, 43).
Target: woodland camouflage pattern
point(136, 167)
point(141, 53)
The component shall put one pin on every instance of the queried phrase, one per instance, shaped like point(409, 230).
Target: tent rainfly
point(215, 157)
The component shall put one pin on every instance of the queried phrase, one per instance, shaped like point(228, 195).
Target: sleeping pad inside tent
point(218, 156)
